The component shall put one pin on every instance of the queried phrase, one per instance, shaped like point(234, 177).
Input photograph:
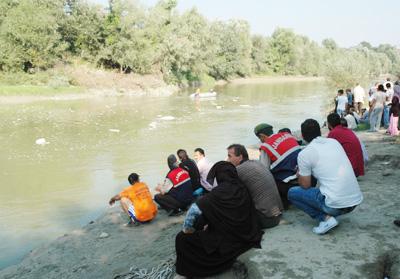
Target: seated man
point(349, 141)
point(136, 201)
point(204, 166)
point(278, 152)
point(176, 191)
point(261, 186)
point(338, 191)
point(190, 165)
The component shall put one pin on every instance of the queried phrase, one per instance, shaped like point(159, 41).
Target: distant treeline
point(128, 36)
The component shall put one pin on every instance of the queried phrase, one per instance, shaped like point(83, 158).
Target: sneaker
point(132, 223)
point(325, 226)
point(397, 222)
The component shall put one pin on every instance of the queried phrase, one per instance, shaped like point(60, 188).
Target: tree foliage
point(184, 47)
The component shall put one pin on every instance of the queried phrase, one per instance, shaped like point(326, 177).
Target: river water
point(93, 144)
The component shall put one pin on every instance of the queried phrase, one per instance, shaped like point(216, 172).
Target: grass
point(39, 90)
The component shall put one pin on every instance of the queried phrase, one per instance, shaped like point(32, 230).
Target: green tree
point(29, 37)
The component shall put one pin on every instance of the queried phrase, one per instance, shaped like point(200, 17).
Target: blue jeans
point(375, 119)
point(312, 202)
point(386, 118)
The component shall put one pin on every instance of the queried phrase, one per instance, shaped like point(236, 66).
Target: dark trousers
point(267, 222)
point(283, 189)
point(168, 202)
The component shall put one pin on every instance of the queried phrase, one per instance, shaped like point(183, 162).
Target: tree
point(30, 39)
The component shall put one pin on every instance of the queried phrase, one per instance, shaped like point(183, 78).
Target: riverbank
point(96, 83)
point(365, 241)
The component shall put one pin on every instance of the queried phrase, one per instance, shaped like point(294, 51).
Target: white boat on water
point(203, 95)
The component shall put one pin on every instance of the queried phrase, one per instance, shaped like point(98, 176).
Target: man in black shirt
point(191, 167)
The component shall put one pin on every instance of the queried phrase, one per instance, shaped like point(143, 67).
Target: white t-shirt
point(204, 166)
point(389, 96)
point(342, 101)
point(351, 121)
point(359, 94)
point(325, 159)
point(379, 98)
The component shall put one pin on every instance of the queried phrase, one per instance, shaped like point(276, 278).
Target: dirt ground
point(364, 245)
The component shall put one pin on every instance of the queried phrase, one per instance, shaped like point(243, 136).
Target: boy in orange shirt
point(136, 201)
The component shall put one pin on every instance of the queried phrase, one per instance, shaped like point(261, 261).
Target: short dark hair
point(285, 130)
point(340, 91)
point(133, 178)
point(343, 122)
point(381, 88)
point(200, 150)
point(388, 85)
point(239, 150)
point(348, 90)
point(310, 129)
point(333, 119)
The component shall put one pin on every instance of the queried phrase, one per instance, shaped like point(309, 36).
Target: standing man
point(338, 193)
point(204, 166)
point(349, 141)
point(278, 152)
point(261, 186)
point(359, 96)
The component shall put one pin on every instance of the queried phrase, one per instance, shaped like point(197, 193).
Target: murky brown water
point(48, 190)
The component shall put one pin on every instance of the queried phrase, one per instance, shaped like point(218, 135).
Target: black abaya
point(232, 227)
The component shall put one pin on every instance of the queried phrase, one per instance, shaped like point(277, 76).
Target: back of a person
point(261, 186)
point(140, 196)
point(379, 98)
point(351, 145)
point(282, 148)
point(359, 94)
point(333, 170)
point(351, 121)
point(342, 101)
point(194, 173)
point(182, 186)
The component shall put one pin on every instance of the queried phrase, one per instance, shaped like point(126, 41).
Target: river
point(93, 144)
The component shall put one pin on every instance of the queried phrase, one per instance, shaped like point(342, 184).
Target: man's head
point(198, 154)
point(381, 88)
point(182, 155)
point(236, 154)
point(333, 120)
point(172, 162)
point(340, 92)
point(388, 85)
point(133, 178)
point(285, 130)
point(310, 130)
point(348, 91)
point(263, 131)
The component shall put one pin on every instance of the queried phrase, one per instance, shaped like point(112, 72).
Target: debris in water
point(245, 106)
point(114, 130)
point(41, 141)
point(219, 107)
point(104, 235)
point(167, 118)
point(153, 125)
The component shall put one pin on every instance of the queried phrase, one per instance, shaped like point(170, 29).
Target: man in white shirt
point(338, 192)
point(386, 108)
point(204, 166)
point(359, 95)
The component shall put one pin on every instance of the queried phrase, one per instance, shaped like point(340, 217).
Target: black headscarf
point(229, 210)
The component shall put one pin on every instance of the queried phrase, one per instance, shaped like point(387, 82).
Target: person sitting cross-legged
point(338, 192)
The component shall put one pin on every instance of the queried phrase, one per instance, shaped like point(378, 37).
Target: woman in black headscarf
point(228, 226)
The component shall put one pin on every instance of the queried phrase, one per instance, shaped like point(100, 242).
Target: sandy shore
point(365, 242)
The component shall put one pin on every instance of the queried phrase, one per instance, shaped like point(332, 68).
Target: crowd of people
point(229, 204)
point(382, 109)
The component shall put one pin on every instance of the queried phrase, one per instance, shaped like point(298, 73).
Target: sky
point(348, 22)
